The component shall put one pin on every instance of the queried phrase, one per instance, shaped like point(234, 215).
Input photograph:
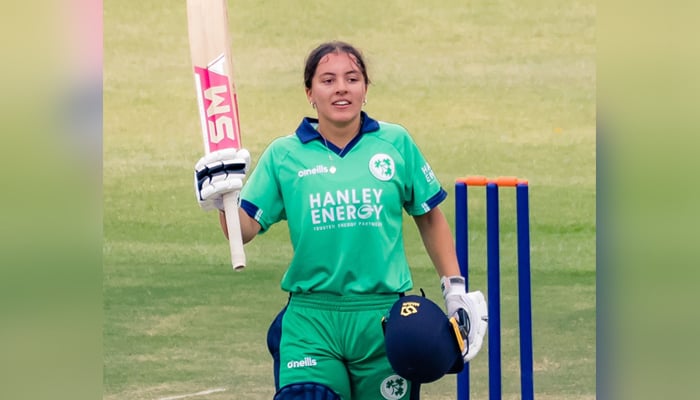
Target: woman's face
point(338, 89)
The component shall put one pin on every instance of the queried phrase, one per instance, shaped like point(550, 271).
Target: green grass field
point(487, 88)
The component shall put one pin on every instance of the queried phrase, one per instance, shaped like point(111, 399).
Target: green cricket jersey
point(344, 207)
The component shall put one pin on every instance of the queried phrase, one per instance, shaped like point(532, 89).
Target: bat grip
point(233, 225)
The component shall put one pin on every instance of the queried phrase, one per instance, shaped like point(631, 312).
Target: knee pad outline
point(306, 391)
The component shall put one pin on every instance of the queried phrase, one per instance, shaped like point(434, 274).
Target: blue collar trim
point(307, 130)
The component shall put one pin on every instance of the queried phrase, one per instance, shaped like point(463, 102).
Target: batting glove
point(218, 173)
point(458, 303)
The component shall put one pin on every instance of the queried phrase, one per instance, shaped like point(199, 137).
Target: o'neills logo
point(319, 169)
point(306, 362)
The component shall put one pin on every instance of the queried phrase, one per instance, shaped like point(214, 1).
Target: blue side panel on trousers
point(274, 336)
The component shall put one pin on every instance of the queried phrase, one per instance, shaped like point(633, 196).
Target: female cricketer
point(342, 181)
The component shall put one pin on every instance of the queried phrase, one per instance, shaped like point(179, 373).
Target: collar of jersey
point(307, 129)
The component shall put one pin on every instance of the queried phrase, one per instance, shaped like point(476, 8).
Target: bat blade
point(218, 106)
point(210, 49)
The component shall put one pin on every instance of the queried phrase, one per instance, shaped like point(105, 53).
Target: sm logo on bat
point(217, 107)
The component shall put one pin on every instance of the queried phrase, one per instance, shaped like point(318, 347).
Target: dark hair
point(332, 47)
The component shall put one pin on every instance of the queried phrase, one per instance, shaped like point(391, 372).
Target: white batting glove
point(457, 299)
point(218, 173)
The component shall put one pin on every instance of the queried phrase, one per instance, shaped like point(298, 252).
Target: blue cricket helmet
point(422, 344)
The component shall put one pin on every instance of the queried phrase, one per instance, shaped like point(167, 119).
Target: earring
point(313, 105)
point(364, 102)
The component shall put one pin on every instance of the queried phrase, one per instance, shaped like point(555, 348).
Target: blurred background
point(636, 60)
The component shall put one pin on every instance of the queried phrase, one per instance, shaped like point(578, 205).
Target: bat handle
point(233, 224)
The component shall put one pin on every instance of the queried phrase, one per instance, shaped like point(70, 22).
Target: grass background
point(489, 88)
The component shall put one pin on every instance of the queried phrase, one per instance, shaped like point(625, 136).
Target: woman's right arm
point(249, 226)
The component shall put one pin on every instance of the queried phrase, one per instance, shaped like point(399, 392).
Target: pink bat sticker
point(218, 108)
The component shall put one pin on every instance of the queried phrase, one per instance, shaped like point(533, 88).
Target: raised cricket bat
point(210, 47)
